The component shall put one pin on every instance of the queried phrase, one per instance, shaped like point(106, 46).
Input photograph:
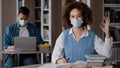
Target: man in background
point(21, 28)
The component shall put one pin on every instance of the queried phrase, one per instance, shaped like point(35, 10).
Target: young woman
point(77, 41)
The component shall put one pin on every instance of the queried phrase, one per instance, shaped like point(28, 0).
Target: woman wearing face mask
point(76, 40)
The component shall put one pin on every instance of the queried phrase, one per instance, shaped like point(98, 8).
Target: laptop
point(25, 43)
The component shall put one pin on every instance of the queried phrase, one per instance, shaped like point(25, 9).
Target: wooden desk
point(29, 66)
point(27, 52)
point(51, 65)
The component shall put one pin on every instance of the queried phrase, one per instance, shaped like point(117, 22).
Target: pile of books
point(95, 60)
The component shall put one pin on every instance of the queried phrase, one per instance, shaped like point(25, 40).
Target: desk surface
point(28, 52)
point(48, 65)
point(24, 52)
point(29, 66)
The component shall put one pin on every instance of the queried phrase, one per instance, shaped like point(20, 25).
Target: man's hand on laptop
point(10, 48)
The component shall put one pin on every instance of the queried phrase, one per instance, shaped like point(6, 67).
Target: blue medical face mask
point(76, 22)
point(23, 22)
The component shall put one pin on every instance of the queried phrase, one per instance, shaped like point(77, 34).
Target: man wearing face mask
point(21, 28)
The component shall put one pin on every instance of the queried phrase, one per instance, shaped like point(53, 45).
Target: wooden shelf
point(37, 20)
point(46, 19)
point(45, 9)
point(114, 24)
point(116, 42)
point(37, 7)
point(45, 24)
point(112, 5)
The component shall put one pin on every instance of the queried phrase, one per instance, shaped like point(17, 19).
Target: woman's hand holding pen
point(105, 26)
point(60, 60)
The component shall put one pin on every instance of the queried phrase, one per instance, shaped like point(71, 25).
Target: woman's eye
point(72, 16)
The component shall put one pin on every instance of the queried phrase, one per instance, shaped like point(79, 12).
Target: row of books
point(114, 15)
point(38, 16)
point(112, 1)
point(115, 55)
point(115, 33)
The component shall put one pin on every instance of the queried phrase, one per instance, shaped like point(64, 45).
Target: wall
point(56, 20)
point(0, 28)
point(96, 7)
point(8, 13)
point(7, 16)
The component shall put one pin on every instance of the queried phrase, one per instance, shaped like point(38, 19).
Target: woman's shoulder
point(67, 30)
point(91, 33)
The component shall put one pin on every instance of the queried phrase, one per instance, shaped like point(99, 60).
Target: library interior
point(33, 34)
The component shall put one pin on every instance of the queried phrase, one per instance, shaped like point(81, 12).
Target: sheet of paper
point(50, 65)
point(78, 64)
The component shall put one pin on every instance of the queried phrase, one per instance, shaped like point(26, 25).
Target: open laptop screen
point(25, 43)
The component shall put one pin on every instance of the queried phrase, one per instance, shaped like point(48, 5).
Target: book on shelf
point(46, 34)
point(37, 14)
point(37, 3)
point(115, 54)
point(45, 4)
point(113, 14)
point(46, 18)
point(115, 33)
point(111, 1)
point(19, 3)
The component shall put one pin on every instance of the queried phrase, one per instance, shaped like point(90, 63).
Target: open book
point(78, 64)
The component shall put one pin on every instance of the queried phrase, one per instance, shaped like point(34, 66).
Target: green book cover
point(95, 57)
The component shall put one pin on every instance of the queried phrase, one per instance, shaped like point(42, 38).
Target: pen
point(67, 60)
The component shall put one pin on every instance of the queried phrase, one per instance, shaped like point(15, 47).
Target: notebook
point(25, 43)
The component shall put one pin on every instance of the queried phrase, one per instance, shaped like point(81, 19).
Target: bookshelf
point(45, 15)
point(19, 3)
point(111, 8)
point(46, 20)
point(38, 13)
point(41, 16)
